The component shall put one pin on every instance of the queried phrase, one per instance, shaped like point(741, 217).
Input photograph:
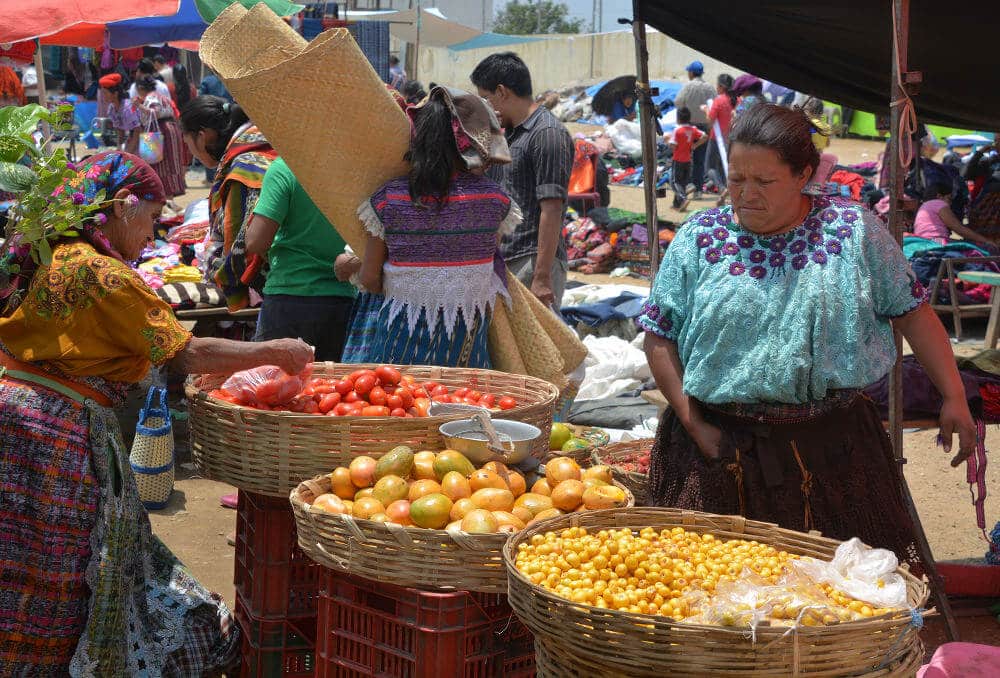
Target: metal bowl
point(466, 436)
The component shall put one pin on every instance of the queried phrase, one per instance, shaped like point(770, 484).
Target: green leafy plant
point(44, 211)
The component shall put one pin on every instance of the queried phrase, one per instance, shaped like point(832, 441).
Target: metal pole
point(897, 174)
point(416, 47)
point(647, 129)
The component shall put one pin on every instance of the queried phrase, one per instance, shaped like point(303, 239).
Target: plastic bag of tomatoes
point(266, 386)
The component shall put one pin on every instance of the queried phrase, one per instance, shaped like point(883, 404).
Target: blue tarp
point(668, 90)
point(492, 40)
point(187, 24)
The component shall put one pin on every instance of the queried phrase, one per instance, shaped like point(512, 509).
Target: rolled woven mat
point(325, 110)
point(320, 104)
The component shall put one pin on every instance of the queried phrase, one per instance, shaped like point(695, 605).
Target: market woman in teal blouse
point(764, 324)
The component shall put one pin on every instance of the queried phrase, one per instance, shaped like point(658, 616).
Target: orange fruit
point(603, 497)
point(390, 488)
point(362, 471)
point(493, 499)
point(330, 503)
point(480, 521)
point(421, 488)
point(431, 511)
point(560, 469)
point(509, 521)
point(541, 486)
point(341, 484)
point(484, 478)
point(516, 483)
point(533, 502)
point(455, 486)
point(601, 472)
point(423, 466)
point(399, 512)
point(522, 513)
point(461, 508)
point(568, 494)
point(366, 507)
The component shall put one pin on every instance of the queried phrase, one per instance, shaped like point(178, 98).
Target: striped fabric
point(184, 296)
point(542, 153)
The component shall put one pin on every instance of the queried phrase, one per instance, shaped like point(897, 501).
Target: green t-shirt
point(306, 244)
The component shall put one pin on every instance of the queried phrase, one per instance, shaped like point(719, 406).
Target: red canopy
point(82, 20)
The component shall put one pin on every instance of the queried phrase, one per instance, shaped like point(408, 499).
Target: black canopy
point(841, 50)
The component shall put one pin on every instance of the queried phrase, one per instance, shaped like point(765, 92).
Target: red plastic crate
point(276, 648)
point(275, 579)
point(371, 629)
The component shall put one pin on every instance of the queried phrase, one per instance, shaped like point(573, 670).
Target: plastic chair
point(591, 197)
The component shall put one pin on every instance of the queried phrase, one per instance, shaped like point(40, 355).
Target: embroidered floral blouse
point(781, 319)
point(89, 315)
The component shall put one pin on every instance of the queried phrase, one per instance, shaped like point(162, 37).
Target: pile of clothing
point(926, 256)
point(589, 246)
point(609, 237)
point(632, 247)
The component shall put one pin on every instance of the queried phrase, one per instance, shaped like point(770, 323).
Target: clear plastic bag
point(267, 386)
point(864, 573)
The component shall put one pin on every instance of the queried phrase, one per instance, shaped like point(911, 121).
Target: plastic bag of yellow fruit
point(860, 572)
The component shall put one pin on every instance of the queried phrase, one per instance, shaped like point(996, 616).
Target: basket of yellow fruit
point(655, 591)
point(432, 519)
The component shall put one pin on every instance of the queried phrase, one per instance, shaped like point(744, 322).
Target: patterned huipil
point(782, 319)
point(442, 259)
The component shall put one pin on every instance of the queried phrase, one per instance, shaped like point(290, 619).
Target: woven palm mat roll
point(320, 104)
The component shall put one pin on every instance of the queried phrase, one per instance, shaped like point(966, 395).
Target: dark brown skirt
point(834, 473)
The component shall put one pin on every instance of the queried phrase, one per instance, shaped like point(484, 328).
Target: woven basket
point(621, 643)
point(609, 455)
point(406, 556)
point(272, 452)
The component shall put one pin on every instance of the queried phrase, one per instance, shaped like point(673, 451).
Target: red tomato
point(288, 387)
point(267, 391)
point(353, 376)
point(343, 409)
point(397, 412)
point(507, 403)
point(312, 407)
point(407, 395)
point(394, 402)
point(328, 402)
point(461, 392)
point(408, 380)
point(388, 375)
point(475, 395)
point(375, 411)
point(421, 392)
point(309, 391)
point(429, 386)
point(422, 406)
point(409, 416)
point(351, 397)
point(332, 413)
point(364, 384)
point(343, 387)
point(439, 390)
point(470, 401)
point(488, 400)
point(376, 396)
point(444, 399)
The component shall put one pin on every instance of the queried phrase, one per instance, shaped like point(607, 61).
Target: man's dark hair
point(684, 115)
point(393, 60)
point(146, 83)
point(159, 59)
point(146, 67)
point(504, 68)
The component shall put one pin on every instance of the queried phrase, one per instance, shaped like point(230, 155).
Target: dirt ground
point(195, 526)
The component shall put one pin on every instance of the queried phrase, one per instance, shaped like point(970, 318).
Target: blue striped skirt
point(373, 339)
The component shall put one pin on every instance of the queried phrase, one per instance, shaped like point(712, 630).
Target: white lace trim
point(433, 289)
point(370, 220)
point(512, 220)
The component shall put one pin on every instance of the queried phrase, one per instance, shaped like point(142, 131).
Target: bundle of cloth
point(588, 246)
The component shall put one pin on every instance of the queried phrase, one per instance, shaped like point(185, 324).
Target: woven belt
point(783, 413)
point(23, 372)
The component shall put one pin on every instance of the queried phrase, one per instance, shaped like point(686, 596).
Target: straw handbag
point(152, 455)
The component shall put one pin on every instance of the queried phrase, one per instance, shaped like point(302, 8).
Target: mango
point(452, 460)
point(431, 511)
point(396, 462)
point(390, 489)
point(493, 499)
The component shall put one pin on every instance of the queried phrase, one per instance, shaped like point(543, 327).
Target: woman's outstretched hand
point(956, 418)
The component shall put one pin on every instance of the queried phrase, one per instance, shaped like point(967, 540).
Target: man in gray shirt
point(695, 94)
point(537, 179)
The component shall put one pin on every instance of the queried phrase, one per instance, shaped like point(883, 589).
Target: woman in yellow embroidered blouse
point(88, 589)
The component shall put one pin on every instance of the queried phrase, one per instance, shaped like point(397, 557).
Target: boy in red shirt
point(685, 139)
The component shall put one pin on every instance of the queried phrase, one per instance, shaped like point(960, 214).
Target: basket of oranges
point(343, 412)
point(431, 519)
point(643, 591)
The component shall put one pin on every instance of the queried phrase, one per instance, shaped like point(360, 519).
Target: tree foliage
point(531, 18)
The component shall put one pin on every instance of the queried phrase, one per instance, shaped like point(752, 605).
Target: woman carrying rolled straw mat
point(221, 137)
point(432, 259)
point(765, 323)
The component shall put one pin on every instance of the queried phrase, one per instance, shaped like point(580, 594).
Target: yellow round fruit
point(600, 472)
point(568, 495)
point(522, 513)
point(575, 444)
point(533, 502)
point(461, 508)
point(559, 435)
point(340, 483)
point(455, 486)
point(421, 488)
point(480, 521)
point(560, 469)
point(493, 499)
point(366, 507)
point(484, 478)
point(541, 486)
point(423, 466)
point(603, 497)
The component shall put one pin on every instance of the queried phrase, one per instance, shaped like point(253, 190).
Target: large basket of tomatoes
point(304, 426)
point(630, 462)
point(641, 591)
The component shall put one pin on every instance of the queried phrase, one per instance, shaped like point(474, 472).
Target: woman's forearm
point(929, 341)
point(665, 364)
point(204, 355)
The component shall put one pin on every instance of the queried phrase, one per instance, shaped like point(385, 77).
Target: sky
point(584, 9)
